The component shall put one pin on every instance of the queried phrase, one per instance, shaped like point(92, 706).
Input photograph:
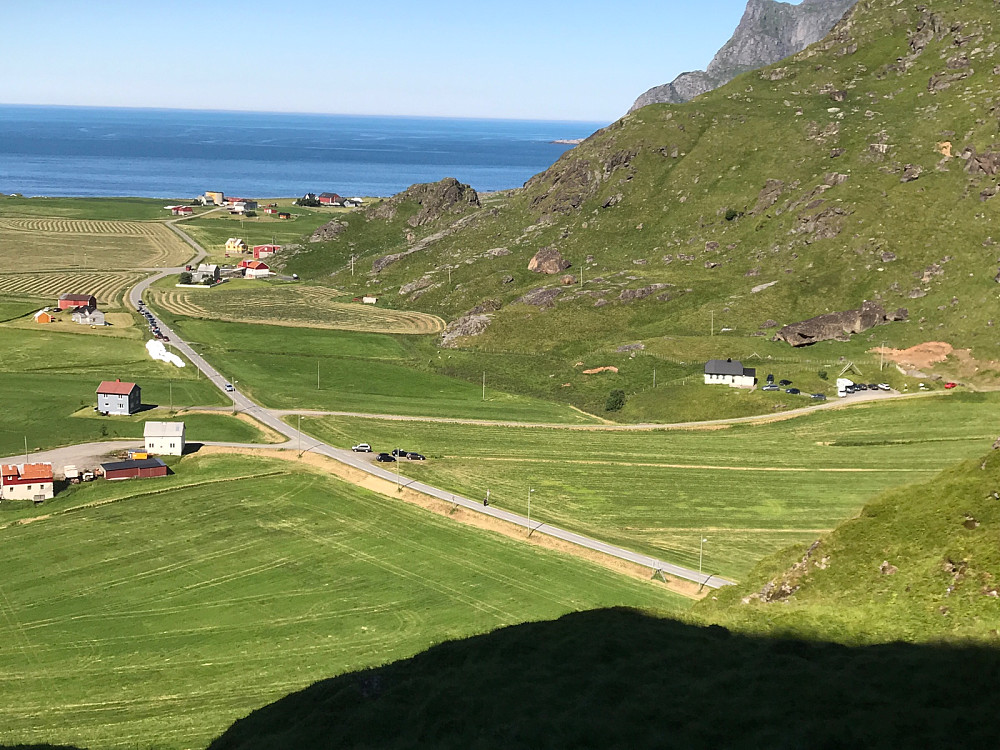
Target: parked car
point(229, 387)
point(873, 386)
point(770, 378)
point(950, 385)
point(770, 387)
point(860, 387)
point(385, 458)
point(923, 386)
point(784, 382)
point(884, 387)
point(361, 448)
point(399, 452)
point(415, 456)
point(819, 396)
point(793, 391)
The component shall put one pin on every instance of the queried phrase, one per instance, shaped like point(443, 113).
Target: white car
point(361, 448)
point(229, 387)
point(884, 387)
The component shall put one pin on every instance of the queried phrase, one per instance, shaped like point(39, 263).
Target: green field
point(359, 372)
point(93, 209)
point(751, 489)
point(160, 619)
point(46, 376)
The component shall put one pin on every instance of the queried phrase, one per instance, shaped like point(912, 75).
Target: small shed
point(43, 316)
point(164, 438)
point(284, 215)
point(70, 301)
point(116, 397)
point(88, 316)
point(140, 468)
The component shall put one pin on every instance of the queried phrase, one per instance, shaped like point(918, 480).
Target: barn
point(138, 468)
point(68, 301)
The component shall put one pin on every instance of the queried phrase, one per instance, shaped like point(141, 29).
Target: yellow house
point(216, 197)
point(235, 245)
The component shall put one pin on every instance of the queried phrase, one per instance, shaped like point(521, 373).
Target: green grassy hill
point(804, 188)
point(919, 563)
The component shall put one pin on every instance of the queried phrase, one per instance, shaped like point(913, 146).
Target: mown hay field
point(160, 619)
point(750, 489)
point(45, 244)
point(109, 287)
point(292, 305)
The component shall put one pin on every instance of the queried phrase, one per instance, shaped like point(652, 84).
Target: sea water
point(98, 151)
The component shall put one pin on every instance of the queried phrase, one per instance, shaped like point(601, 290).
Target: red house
point(71, 301)
point(262, 251)
point(270, 210)
point(330, 199)
point(182, 211)
point(139, 468)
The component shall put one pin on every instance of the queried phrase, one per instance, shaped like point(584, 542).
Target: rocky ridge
point(769, 31)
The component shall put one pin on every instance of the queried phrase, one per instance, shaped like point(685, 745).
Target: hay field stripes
point(108, 287)
point(300, 306)
point(126, 244)
point(79, 226)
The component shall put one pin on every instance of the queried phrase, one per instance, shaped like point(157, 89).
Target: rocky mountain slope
point(768, 32)
point(864, 168)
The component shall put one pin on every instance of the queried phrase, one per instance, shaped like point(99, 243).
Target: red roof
point(76, 297)
point(116, 388)
point(257, 265)
point(36, 471)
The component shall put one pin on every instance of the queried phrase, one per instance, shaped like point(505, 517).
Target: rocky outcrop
point(329, 231)
point(434, 198)
point(548, 260)
point(769, 31)
point(467, 325)
point(838, 326)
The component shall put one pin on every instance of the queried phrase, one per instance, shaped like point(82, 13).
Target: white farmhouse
point(164, 438)
point(729, 372)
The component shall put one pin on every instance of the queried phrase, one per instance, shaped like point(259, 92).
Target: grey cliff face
point(769, 31)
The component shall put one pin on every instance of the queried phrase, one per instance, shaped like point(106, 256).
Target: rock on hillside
point(434, 198)
point(838, 326)
point(769, 31)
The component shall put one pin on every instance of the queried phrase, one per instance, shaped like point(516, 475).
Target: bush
point(732, 213)
point(616, 400)
point(822, 374)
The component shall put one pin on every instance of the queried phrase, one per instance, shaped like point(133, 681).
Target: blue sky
point(557, 60)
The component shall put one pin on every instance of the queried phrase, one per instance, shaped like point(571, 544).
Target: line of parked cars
point(770, 386)
point(154, 327)
point(397, 453)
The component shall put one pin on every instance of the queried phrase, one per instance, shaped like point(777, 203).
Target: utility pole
point(484, 385)
point(530, 490)
point(298, 431)
point(171, 384)
point(352, 265)
point(713, 321)
point(317, 374)
point(881, 357)
point(25, 449)
point(654, 377)
point(701, 552)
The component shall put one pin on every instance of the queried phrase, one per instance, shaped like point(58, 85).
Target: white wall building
point(164, 438)
point(729, 372)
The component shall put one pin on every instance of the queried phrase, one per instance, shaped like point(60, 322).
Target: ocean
point(159, 153)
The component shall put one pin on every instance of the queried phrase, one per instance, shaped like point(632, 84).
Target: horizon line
point(296, 112)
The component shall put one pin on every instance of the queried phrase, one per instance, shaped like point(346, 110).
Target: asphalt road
point(272, 418)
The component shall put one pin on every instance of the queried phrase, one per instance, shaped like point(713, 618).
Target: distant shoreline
point(568, 141)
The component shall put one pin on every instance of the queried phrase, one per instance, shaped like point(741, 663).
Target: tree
point(616, 400)
point(823, 375)
point(185, 277)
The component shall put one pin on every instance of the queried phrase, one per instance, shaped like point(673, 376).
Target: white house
point(206, 272)
point(729, 372)
point(88, 316)
point(256, 269)
point(164, 438)
point(26, 482)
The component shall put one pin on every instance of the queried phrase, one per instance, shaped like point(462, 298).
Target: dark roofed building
point(729, 372)
point(138, 468)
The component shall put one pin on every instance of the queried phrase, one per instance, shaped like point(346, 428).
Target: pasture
point(159, 619)
point(109, 287)
point(95, 209)
point(750, 489)
point(296, 305)
point(359, 372)
point(66, 244)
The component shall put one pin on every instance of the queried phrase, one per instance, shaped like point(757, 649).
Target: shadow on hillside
point(619, 678)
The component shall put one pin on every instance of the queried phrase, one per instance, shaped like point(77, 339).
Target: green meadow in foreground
point(751, 489)
point(159, 619)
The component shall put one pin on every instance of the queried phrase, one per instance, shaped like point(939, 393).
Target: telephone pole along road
point(272, 418)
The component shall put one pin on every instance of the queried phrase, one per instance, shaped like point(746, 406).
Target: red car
point(950, 385)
